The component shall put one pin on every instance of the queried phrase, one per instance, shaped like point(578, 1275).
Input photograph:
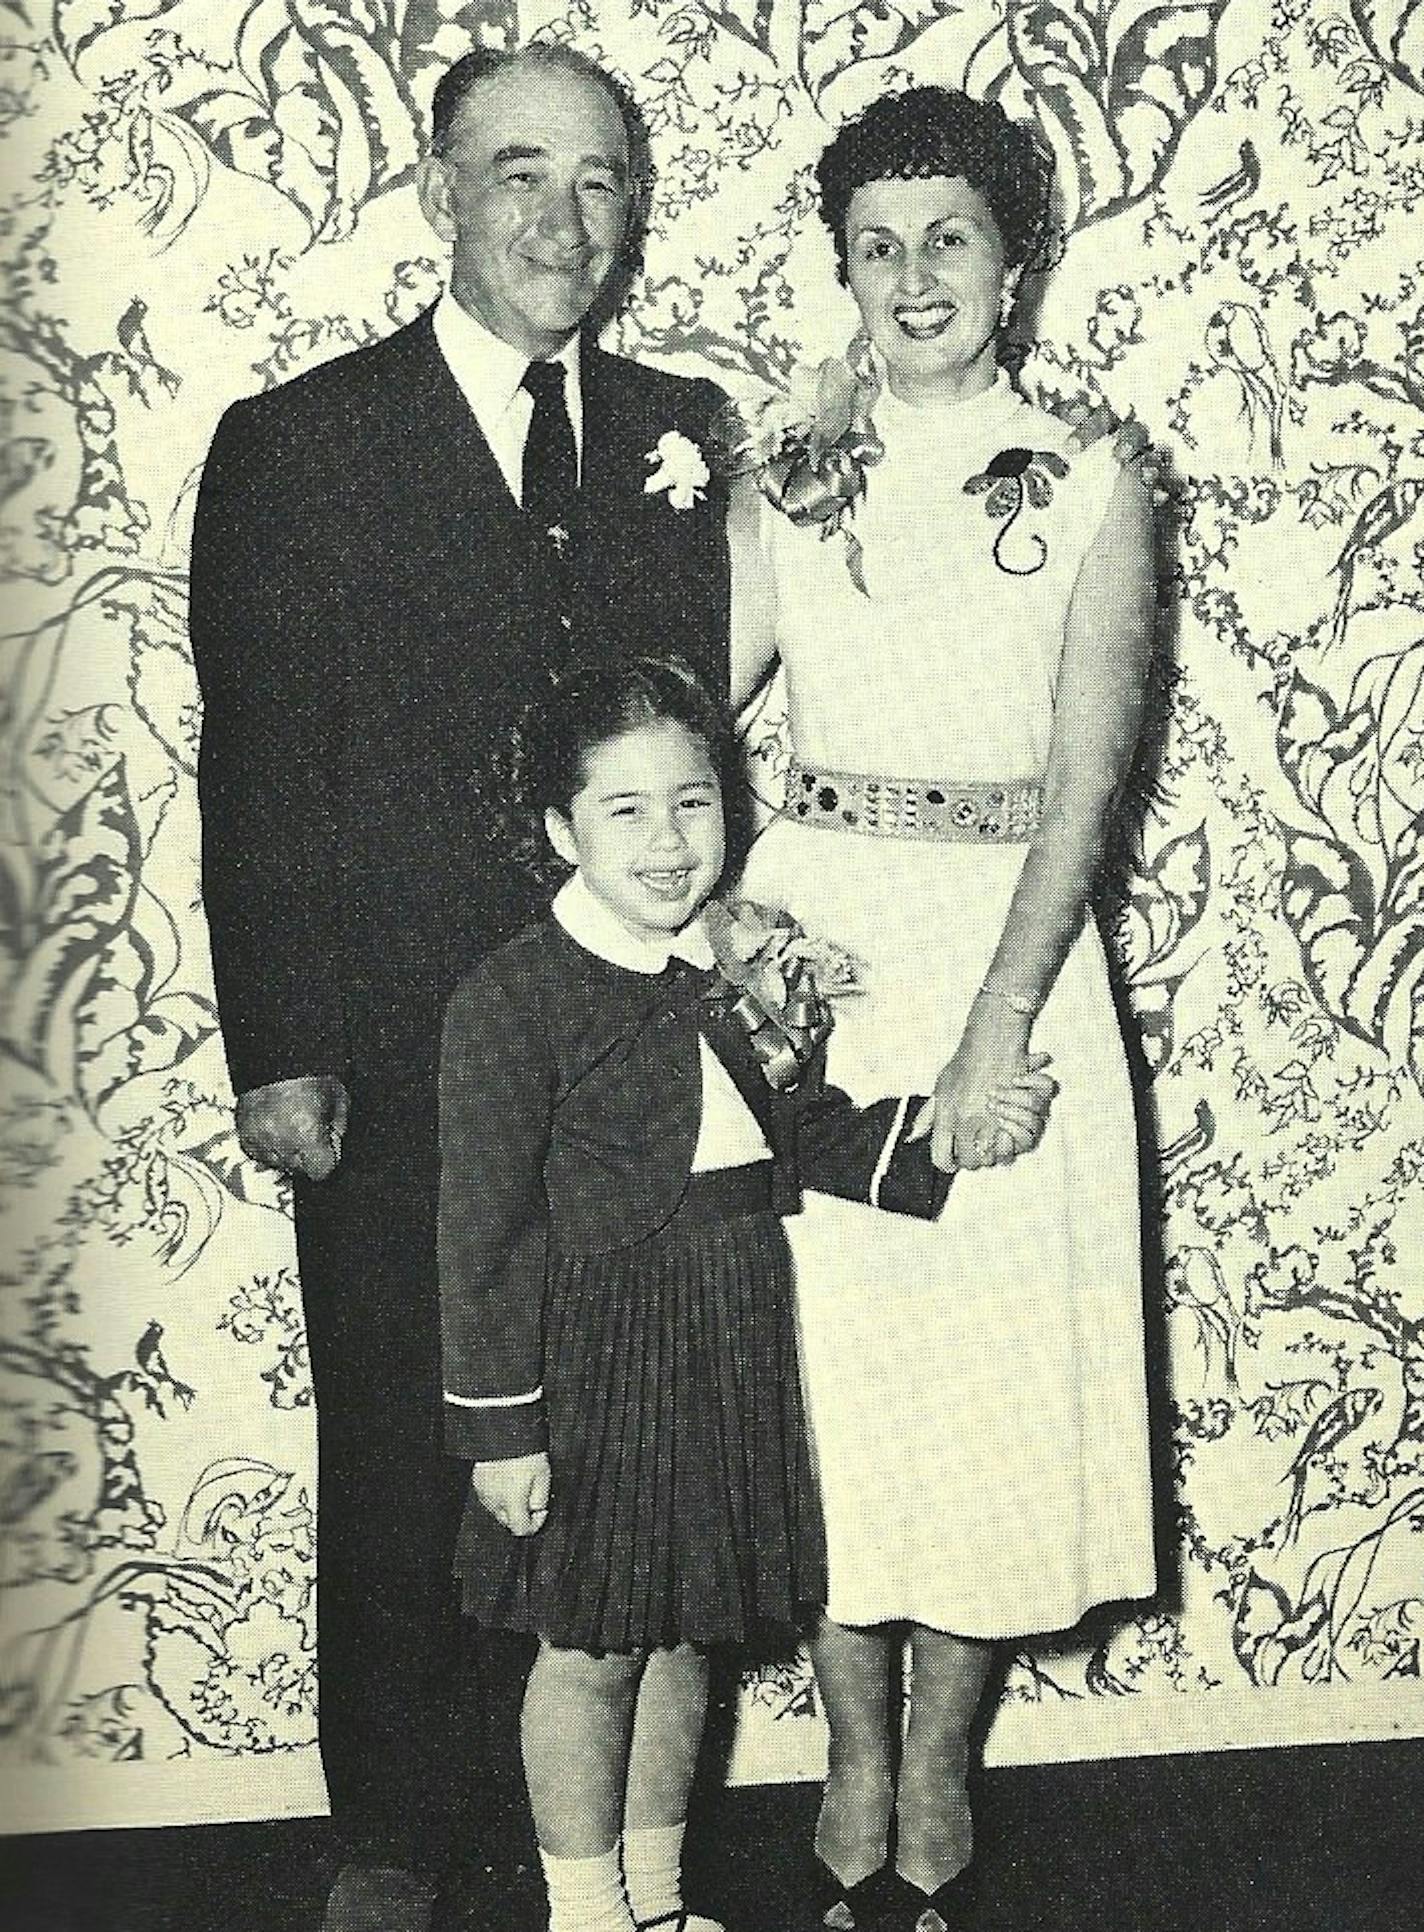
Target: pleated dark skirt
point(683, 1507)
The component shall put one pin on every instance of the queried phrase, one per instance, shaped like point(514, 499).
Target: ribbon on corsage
point(777, 982)
point(810, 446)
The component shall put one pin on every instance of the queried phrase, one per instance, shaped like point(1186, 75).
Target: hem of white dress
point(1134, 1587)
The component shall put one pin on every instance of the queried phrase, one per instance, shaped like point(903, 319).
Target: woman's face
point(925, 263)
point(645, 828)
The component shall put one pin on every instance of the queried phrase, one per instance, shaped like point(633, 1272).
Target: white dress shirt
point(491, 376)
point(728, 1135)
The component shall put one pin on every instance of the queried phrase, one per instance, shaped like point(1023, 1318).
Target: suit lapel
point(615, 440)
point(436, 421)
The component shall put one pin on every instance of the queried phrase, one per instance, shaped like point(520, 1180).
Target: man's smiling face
point(532, 189)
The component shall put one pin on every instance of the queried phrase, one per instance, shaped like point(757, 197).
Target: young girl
point(621, 1126)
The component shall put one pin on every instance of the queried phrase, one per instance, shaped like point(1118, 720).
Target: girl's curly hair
point(589, 704)
point(928, 131)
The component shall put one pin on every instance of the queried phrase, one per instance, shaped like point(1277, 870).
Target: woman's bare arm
point(753, 594)
point(1096, 721)
point(1097, 716)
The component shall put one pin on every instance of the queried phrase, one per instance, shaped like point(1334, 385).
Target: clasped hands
point(990, 1103)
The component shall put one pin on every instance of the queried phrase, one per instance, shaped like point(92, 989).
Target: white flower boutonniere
point(679, 468)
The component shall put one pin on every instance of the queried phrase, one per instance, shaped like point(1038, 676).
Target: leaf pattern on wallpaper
point(79, 23)
point(1165, 903)
point(321, 100)
point(63, 908)
point(839, 36)
point(1116, 82)
point(57, 431)
point(1394, 30)
point(1353, 888)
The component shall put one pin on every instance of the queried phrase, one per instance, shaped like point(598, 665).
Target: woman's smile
point(925, 321)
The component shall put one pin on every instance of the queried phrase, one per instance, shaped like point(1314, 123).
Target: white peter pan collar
point(590, 924)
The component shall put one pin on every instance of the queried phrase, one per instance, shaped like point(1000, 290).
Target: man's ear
point(432, 190)
point(561, 836)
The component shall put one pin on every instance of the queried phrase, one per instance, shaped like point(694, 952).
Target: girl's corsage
point(809, 448)
point(679, 469)
point(776, 980)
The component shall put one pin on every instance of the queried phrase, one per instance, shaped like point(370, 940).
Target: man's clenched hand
point(295, 1125)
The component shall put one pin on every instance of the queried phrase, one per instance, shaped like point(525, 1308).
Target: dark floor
point(1320, 1840)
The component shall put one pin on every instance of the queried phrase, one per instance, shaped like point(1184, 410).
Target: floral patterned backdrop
point(200, 201)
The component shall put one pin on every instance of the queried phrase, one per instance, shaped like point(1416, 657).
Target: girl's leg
point(935, 1836)
point(667, 1732)
point(853, 1675)
point(577, 1727)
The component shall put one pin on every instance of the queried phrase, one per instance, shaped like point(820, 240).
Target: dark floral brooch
point(1015, 480)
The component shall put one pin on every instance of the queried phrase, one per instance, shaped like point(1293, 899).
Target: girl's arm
point(1096, 719)
point(753, 594)
point(496, 1109)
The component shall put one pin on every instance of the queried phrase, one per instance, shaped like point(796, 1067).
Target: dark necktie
point(550, 455)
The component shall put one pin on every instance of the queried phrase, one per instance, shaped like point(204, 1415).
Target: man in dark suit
point(393, 553)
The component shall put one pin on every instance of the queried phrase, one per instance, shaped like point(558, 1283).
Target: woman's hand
point(991, 1100)
point(515, 1492)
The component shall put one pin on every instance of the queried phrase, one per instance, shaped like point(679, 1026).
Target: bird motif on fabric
point(1196, 1285)
point(1386, 513)
point(1243, 180)
point(1237, 343)
point(1324, 1436)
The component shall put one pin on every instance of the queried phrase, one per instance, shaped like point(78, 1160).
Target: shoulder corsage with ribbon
point(810, 446)
point(777, 982)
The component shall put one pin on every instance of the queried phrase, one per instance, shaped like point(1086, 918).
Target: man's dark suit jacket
point(369, 606)
point(570, 1102)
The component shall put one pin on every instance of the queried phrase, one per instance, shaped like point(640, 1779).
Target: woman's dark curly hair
point(927, 131)
point(592, 703)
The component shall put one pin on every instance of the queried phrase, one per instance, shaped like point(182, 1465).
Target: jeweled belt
point(976, 811)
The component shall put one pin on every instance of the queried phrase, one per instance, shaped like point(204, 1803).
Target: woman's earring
point(1007, 296)
point(859, 355)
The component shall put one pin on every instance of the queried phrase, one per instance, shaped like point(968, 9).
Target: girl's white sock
point(652, 1870)
point(586, 1894)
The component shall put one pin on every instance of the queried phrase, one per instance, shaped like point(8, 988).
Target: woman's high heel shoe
point(946, 1909)
point(847, 1908)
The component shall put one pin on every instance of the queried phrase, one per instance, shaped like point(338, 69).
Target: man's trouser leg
point(404, 1746)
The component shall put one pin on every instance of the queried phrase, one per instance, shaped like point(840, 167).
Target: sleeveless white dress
point(976, 1386)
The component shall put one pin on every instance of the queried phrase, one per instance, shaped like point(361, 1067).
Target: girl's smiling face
point(645, 828)
point(925, 263)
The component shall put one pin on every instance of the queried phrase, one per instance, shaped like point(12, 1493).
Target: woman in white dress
point(961, 601)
